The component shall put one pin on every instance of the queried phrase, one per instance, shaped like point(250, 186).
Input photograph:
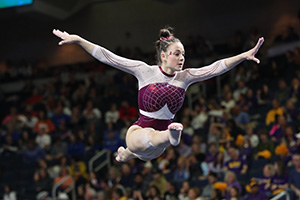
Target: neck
point(167, 70)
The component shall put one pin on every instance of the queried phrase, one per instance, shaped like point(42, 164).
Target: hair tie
point(165, 38)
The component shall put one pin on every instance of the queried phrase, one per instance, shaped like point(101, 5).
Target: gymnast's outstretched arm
point(133, 67)
point(193, 75)
point(248, 55)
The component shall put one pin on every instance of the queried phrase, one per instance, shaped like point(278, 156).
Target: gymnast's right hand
point(66, 37)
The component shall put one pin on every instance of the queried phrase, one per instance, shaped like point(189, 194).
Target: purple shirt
point(258, 196)
point(236, 165)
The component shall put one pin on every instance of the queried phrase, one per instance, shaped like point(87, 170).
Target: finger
point(58, 33)
point(259, 43)
point(256, 60)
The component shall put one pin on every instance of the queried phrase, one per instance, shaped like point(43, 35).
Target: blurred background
point(64, 114)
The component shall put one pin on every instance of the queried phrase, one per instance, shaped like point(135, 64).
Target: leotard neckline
point(169, 75)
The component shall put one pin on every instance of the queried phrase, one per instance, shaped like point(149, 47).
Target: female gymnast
point(161, 90)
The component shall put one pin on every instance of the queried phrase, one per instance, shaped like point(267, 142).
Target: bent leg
point(170, 136)
point(147, 141)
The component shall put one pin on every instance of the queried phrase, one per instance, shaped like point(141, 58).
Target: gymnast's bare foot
point(175, 133)
point(124, 155)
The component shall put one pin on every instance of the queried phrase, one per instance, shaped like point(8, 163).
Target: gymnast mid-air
point(162, 89)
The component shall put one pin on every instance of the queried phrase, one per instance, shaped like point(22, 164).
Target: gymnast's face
point(173, 58)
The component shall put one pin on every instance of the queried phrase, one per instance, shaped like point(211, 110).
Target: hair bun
point(166, 32)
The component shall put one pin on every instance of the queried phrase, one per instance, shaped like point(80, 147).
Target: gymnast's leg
point(148, 141)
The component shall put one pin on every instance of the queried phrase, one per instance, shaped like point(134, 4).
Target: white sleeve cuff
point(224, 65)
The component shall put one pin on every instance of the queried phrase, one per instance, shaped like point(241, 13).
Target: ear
point(163, 55)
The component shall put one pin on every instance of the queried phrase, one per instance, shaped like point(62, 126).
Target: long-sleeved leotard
point(160, 95)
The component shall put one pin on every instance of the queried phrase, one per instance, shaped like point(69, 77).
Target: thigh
point(137, 138)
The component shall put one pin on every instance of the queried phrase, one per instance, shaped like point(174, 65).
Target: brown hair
point(166, 38)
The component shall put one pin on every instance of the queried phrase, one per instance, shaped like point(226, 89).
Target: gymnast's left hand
point(250, 55)
point(66, 37)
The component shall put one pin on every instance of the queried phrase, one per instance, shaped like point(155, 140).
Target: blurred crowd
point(242, 145)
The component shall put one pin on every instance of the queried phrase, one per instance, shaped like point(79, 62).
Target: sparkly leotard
point(160, 95)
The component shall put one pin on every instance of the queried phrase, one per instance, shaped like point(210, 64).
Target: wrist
point(244, 56)
point(78, 39)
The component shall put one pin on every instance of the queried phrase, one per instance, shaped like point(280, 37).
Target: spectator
point(77, 120)
point(182, 172)
point(241, 89)
point(228, 103)
point(200, 117)
point(212, 153)
point(42, 181)
point(30, 118)
point(60, 117)
point(255, 193)
point(280, 179)
point(265, 182)
point(159, 181)
point(91, 113)
point(234, 193)
point(75, 146)
point(127, 177)
point(283, 92)
point(253, 138)
point(171, 192)
point(43, 139)
point(127, 112)
point(217, 195)
point(9, 194)
point(265, 145)
point(276, 110)
point(153, 193)
point(215, 132)
point(62, 175)
point(187, 127)
point(13, 116)
point(43, 121)
point(33, 153)
point(294, 177)
point(139, 184)
point(112, 115)
point(218, 165)
point(263, 95)
point(251, 100)
point(147, 173)
point(9, 147)
point(293, 113)
point(295, 91)
point(78, 171)
point(57, 150)
point(207, 191)
point(35, 98)
point(278, 128)
point(194, 194)
point(236, 164)
point(231, 181)
point(240, 117)
point(290, 139)
point(198, 168)
point(60, 164)
point(112, 142)
point(184, 190)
